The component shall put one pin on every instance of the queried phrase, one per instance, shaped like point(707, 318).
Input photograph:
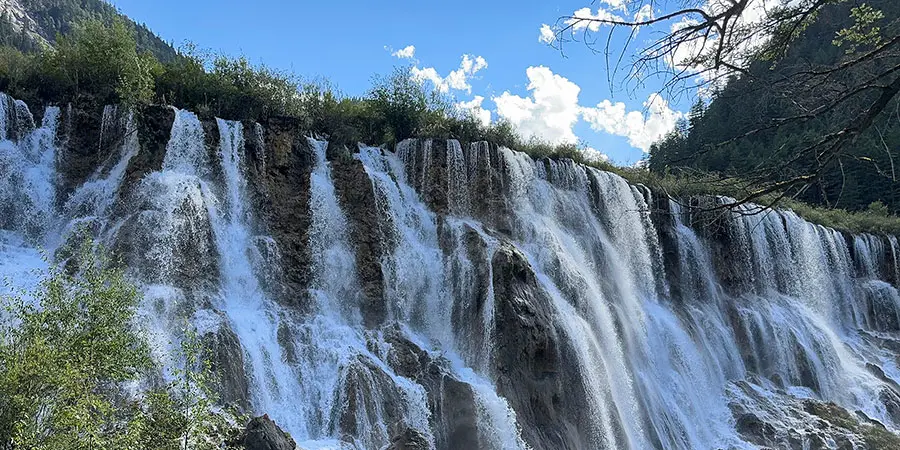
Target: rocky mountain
point(435, 295)
point(32, 24)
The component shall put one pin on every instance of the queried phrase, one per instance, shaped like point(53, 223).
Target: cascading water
point(27, 193)
point(528, 303)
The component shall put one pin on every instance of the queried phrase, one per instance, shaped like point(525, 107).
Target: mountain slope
point(742, 113)
point(30, 24)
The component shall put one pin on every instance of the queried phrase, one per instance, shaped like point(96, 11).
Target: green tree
point(100, 63)
point(66, 352)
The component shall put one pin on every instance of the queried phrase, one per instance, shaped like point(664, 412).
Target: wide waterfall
point(441, 295)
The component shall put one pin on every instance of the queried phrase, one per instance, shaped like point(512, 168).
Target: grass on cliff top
point(876, 219)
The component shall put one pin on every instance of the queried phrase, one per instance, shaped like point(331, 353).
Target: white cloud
point(645, 13)
point(474, 107)
point(584, 19)
point(457, 79)
point(616, 4)
point(591, 154)
point(547, 34)
point(407, 52)
point(640, 129)
point(549, 113)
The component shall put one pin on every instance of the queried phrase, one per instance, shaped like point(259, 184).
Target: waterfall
point(527, 303)
point(28, 210)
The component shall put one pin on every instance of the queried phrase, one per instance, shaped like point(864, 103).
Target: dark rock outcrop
point(409, 439)
point(154, 127)
point(263, 434)
point(357, 199)
point(452, 402)
point(223, 351)
point(367, 395)
point(85, 143)
point(279, 182)
point(532, 367)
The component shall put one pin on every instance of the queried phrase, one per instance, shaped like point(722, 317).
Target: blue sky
point(349, 41)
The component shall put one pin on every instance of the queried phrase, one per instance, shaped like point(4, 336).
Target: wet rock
point(165, 250)
point(263, 434)
point(485, 176)
point(226, 357)
point(471, 293)
point(664, 221)
point(409, 439)
point(730, 255)
point(84, 143)
point(533, 369)
point(357, 198)
point(451, 402)
point(279, 188)
point(779, 420)
point(367, 397)
point(154, 127)
point(755, 430)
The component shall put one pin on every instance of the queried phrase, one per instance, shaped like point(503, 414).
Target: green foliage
point(876, 219)
point(401, 106)
point(863, 31)
point(66, 352)
point(101, 63)
point(98, 62)
point(751, 130)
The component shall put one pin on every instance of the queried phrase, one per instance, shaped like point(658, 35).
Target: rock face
point(530, 361)
point(87, 139)
point(154, 126)
point(357, 198)
point(452, 402)
point(223, 351)
point(778, 420)
point(279, 183)
point(470, 343)
point(263, 434)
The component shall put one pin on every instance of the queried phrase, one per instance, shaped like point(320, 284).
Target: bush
point(66, 352)
point(100, 64)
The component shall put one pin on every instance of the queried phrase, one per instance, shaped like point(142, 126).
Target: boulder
point(409, 439)
point(263, 434)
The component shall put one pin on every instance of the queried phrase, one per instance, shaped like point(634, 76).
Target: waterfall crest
point(442, 295)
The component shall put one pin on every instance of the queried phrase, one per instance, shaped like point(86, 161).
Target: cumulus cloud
point(616, 4)
point(639, 128)
point(591, 154)
point(474, 107)
point(584, 19)
point(457, 79)
point(407, 52)
point(547, 34)
point(549, 113)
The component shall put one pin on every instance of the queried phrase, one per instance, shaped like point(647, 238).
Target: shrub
point(101, 64)
point(66, 352)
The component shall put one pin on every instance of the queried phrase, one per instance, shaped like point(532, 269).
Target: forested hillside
point(26, 24)
point(752, 129)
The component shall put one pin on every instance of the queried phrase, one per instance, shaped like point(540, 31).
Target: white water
point(661, 357)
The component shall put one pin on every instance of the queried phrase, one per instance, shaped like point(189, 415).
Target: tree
point(844, 87)
point(66, 351)
point(101, 63)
